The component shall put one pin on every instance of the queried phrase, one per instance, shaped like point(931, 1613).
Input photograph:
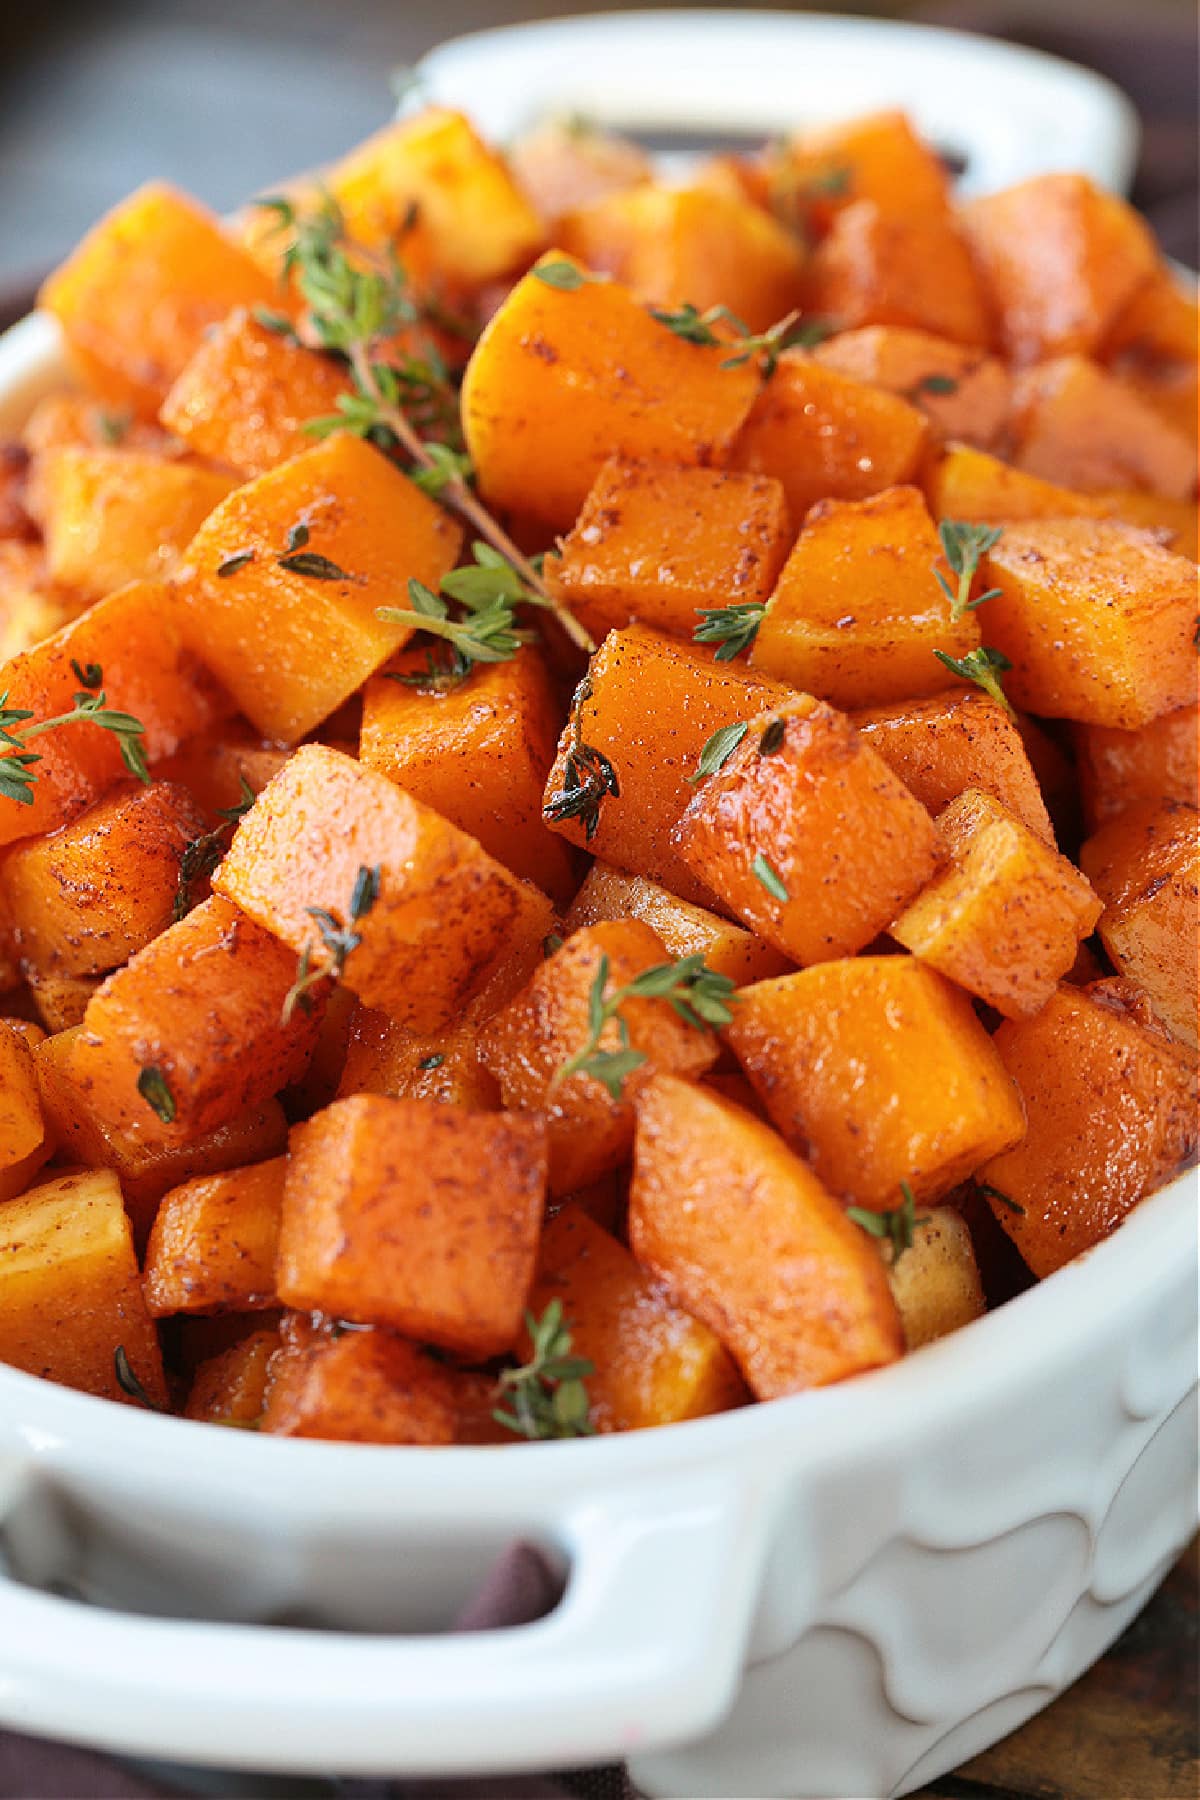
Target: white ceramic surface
point(844, 1593)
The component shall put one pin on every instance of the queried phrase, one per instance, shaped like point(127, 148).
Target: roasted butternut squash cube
point(478, 753)
point(61, 1000)
point(1096, 619)
point(650, 706)
point(963, 392)
point(248, 393)
point(365, 1387)
point(880, 268)
point(528, 1043)
point(878, 1071)
point(231, 1387)
point(818, 173)
point(213, 764)
point(953, 741)
point(807, 836)
point(1110, 1113)
point(565, 377)
point(1158, 324)
point(288, 623)
point(438, 920)
point(191, 1032)
point(1059, 259)
point(213, 1242)
point(1119, 768)
point(653, 1363)
point(88, 896)
point(133, 639)
point(967, 483)
point(660, 544)
point(935, 1282)
point(68, 418)
point(136, 297)
point(31, 606)
point(692, 245)
point(745, 1237)
point(1145, 866)
point(70, 1292)
point(1005, 916)
point(685, 930)
point(858, 611)
point(561, 164)
point(828, 437)
point(1175, 523)
point(386, 1221)
point(24, 1142)
point(114, 516)
point(1076, 424)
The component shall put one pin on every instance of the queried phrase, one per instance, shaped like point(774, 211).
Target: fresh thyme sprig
point(895, 1226)
point(128, 1382)
point(155, 1090)
point(546, 1395)
point(202, 855)
point(338, 939)
point(588, 775)
point(1006, 1200)
point(486, 635)
point(764, 347)
point(717, 751)
point(16, 768)
point(734, 627)
point(984, 667)
point(566, 276)
point(765, 872)
point(695, 992)
point(964, 546)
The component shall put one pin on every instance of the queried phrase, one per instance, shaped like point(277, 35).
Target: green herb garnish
point(337, 938)
point(546, 1395)
point(153, 1087)
point(717, 751)
point(734, 627)
point(895, 1226)
point(698, 995)
point(16, 769)
point(984, 667)
point(233, 563)
point(765, 347)
point(964, 546)
point(994, 1193)
point(772, 737)
point(765, 871)
point(566, 277)
point(202, 855)
point(128, 1382)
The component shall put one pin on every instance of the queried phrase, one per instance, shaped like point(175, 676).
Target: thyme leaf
point(734, 627)
point(964, 545)
point(16, 767)
point(696, 993)
point(764, 870)
point(717, 751)
point(588, 775)
point(546, 1396)
point(202, 855)
point(337, 939)
point(984, 667)
point(994, 1193)
point(152, 1085)
point(128, 1382)
point(894, 1226)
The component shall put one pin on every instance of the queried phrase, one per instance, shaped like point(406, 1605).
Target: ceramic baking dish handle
point(645, 1649)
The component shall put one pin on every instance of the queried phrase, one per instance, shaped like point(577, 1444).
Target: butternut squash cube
point(136, 297)
point(1145, 866)
point(1076, 424)
point(88, 896)
point(1110, 1113)
point(653, 1363)
point(828, 437)
point(650, 707)
point(685, 930)
point(31, 606)
point(386, 1221)
point(248, 393)
point(289, 626)
point(70, 419)
point(564, 378)
point(24, 1142)
point(364, 1387)
point(963, 392)
point(1119, 768)
point(858, 611)
point(61, 1000)
point(231, 1387)
point(757, 1250)
point(807, 836)
point(70, 1292)
point(967, 483)
point(443, 908)
point(878, 1071)
point(935, 1282)
point(213, 764)
point(1059, 259)
point(1158, 324)
point(1096, 619)
point(879, 268)
point(478, 753)
point(660, 544)
point(818, 173)
point(1005, 916)
point(561, 164)
point(213, 1242)
point(527, 1044)
point(1175, 523)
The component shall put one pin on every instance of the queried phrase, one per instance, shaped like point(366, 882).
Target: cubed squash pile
point(598, 804)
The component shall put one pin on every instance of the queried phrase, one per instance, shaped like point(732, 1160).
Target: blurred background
point(227, 96)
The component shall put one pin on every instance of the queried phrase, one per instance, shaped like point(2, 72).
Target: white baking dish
point(844, 1593)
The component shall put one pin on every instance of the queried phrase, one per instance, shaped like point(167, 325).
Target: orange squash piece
point(133, 639)
point(1004, 918)
point(815, 175)
point(562, 379)
point(528, 1042)
point(1096, 618)
point(878, 1071)
point(1160, 323)
point(561, 164)
point(686, 930)
point(213, 764)
point(858, 612)
point(61, 1000)
point(1119, 768)
point(24, 1142)
point(653, 1363)
point(1110, 1116)
point(762, 1254)
point(31, 606)
point(136, 297)
point(1060, 259)
point(650, 706)
point(1076, 424)
point(70, 1292)
point(231, 1387)
point(289, 640)
point(213, 1242)
point(88, 896)
point(439, 919)
point(478, 753)
point(828, 437)
point(1145, 866)
point(963, 392)
point(365, 1387)
point(807, 836)
point(967, 483)
point(246, 396)
point(386, 1220)
point(661, 544)
point(879, 268)
point(953, 741)
point(70, 419)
